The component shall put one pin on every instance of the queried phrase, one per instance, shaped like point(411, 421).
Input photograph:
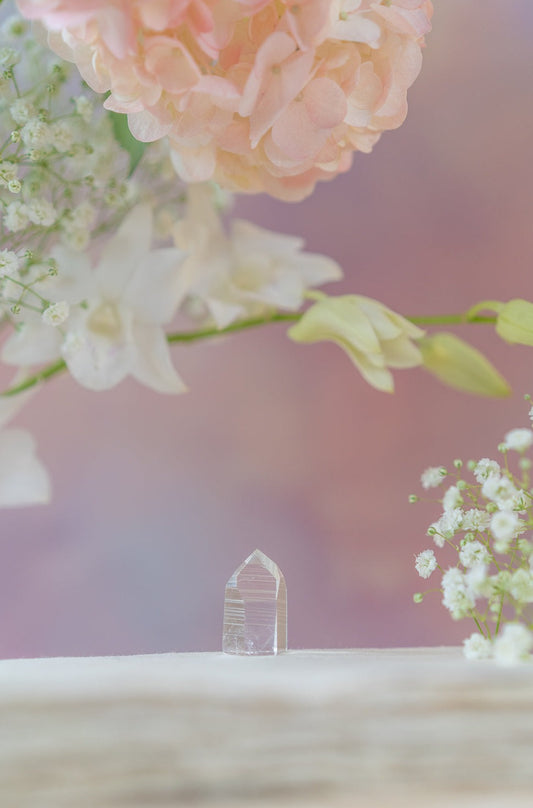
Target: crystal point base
point(255, 608)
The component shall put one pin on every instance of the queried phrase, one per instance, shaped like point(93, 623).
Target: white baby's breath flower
point(35, 155)
point(77, 226)
point(521, 587)
point(450, 522)
point(42, 212)
point(504, 526)
point(475, 519)
point(76, 238)
point(457, 597)
point(22, 110)
point(9, 263)
point(499, 490)
point(62, 136)
point(477, 647)
point(478, 581)
point(84, 215)
point(84, 107)
point(519, 439)
point(56, 313)
point(14, 27)
point(446, 527)
point(432, 477)
point(513, 644)
point(16, 217)
point(9, 57)
point(486, 468)
point(36, 134)
point(9, 170)
point(426, 563)
point(473, 553)
point(452, 498)
point(433, 532)
point(501, 581)
point(521, 501)
point(525, 547)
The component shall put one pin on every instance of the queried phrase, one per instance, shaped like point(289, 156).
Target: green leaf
point(125, 139)
point(459, 365)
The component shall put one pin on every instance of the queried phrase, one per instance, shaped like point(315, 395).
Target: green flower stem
point(243, 325)
point(490, 305)
point(499, 615)
point(41, 376)
point(478, 624)
point(183, 336)
point(453, 319)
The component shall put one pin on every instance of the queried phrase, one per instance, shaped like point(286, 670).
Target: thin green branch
point(41, 376)
point(453, 319)
point(182, 336)
point(243, 325)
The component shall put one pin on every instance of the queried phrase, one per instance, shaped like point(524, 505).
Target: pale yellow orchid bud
point(515, 322)
point(374, 337)
point(459, 365)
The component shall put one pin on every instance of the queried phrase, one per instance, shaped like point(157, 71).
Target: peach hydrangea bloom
point(259, 95)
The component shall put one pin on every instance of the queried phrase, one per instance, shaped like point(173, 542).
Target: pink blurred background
point(284, 447)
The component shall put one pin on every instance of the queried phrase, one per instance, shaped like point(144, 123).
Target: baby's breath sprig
point(64, 178)
point(485, 531)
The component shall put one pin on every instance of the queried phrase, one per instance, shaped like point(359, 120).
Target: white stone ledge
point(338, 729)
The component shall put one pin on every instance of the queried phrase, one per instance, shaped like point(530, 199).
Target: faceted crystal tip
point(255, 608)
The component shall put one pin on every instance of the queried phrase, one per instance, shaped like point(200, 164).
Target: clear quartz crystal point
point(255, 608)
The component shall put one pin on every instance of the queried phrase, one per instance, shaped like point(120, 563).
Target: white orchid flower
point(127, 298)
point(249, 273)
point(23, 478)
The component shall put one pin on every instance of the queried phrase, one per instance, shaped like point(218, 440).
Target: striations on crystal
point(255, 608)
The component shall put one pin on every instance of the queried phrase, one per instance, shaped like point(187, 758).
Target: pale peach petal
point(170, 64)
point(295, 137)
point(147, 128)
point(275, 50)
point(325, 103)
point(357, 28)
point(158, 15)
point(308, 21)
point(194, 165)
point(117, 31)
point(406, 17)
point(279, 91)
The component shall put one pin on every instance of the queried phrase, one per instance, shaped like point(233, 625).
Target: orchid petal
point(153, 364)
point(124, 252)
point(23, 478)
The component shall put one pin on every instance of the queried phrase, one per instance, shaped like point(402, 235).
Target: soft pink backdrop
point(284, 447)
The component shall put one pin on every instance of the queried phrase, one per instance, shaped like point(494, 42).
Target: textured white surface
point(346, 729)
